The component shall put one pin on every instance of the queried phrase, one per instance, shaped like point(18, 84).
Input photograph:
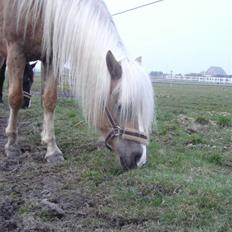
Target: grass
point(224, 120)
point(186, 184)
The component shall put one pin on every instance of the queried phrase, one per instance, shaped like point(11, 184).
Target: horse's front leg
point(16, 63)
point(49, 103)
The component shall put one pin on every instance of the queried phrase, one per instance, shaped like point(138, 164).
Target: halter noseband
point(117, 131)
point(27, 95)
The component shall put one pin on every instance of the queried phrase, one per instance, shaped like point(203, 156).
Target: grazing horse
point(28, 78)
point(115, 93)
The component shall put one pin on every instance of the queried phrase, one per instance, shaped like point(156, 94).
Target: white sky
point(179, 35)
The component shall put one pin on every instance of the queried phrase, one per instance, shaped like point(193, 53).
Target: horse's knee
point(49, 102)
point(15, 99)
point(50, 96)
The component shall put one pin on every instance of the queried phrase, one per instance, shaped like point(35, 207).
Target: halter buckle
point(117, 131)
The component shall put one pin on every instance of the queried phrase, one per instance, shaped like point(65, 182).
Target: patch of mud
point(24, 184)
point(8, 221)
point(33, 194)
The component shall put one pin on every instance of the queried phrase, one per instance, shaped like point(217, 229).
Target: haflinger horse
point(115, 94)
point(28, 78)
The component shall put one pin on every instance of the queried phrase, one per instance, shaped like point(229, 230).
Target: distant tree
point(193, 74)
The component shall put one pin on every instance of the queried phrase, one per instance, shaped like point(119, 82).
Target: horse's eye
point(119, 108)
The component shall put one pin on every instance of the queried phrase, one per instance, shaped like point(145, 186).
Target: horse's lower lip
point(140, 164)
point(143, 158)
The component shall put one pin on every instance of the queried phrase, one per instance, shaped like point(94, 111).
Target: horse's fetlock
point(46, 140)
point(11, 133)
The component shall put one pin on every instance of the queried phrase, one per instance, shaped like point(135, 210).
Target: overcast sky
point(179, 35)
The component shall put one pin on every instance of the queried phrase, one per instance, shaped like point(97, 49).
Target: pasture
point(185, 186)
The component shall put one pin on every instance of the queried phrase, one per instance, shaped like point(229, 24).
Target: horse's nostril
point(123, 163)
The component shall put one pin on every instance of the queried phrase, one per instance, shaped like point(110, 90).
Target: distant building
point(216, 71)
point(214, 75)
point(156, 74)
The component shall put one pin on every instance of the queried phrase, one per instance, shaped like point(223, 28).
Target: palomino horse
point(28, 78)
point(115, 94)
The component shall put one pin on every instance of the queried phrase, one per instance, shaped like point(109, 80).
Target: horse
point(114, 92)
point(28, 78)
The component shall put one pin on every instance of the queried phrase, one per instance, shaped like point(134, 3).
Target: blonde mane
point(79, 33)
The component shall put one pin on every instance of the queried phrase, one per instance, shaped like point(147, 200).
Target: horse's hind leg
point(16, 63)
point(49, 103)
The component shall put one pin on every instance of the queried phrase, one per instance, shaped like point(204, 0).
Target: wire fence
point(137, 7)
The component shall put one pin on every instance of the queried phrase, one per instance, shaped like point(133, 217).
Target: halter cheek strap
point(117, 131)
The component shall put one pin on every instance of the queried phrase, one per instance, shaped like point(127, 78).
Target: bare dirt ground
point(30, 192)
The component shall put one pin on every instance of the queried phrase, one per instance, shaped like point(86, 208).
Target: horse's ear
point(33, 65)
point(139, 60)
point(113, 66)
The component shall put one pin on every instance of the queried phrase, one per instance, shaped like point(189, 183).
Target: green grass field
point(185, 186)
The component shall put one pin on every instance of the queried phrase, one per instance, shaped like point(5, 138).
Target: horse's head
point(28, 79)
point(129, 112)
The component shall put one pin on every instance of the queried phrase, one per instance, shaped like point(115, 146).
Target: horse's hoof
point(55, 157)
point(13, 151)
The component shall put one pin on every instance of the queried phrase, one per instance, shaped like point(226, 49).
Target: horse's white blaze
point(29, 105)
point(143, 158)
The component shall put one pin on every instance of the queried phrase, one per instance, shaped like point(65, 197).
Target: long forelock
point(136, 96)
